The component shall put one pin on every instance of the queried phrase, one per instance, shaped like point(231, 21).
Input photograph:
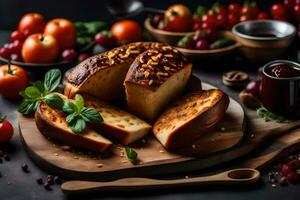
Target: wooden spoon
point(235, 176)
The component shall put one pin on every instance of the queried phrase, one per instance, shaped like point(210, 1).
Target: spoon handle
point(129, 184)
point(154, 10)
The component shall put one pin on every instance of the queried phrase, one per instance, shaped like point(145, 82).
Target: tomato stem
point(9, 67)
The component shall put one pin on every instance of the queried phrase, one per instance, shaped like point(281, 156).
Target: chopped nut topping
point(169, 55)
point(141, 59)
point(146, 74)
point(162, 74)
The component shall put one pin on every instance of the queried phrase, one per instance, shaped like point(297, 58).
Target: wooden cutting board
point(211, 149)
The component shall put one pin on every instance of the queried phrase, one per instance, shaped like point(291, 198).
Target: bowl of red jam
point(264, 40)
point(280, 88)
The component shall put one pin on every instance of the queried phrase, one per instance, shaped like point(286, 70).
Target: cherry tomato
point(245, 18)
point(6, 130)
point(220, 10)
point(233, 19)
point(106, 39)
point(221, 21)
point(251, 11)
point(263, 15)
point(210, 20)
point(206, 25)
point(13, 79)
point(279, 10)
point(17, 35)
point(197, 26)
point(289, 3)
point(234, 8)
point(177, 24)
point(297, 12)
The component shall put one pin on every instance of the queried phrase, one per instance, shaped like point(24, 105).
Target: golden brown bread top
point(187, 108)
point(153, 67)
point(119, 55)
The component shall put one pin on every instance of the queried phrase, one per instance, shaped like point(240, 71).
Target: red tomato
point(279, 10)
point(40, 48)
point(179, 9)
point(263, 15)
point(221, 21)
point(12, 81)
point(234, 8)
point(127, 30)
point(64, 32)
point(32, 23)
point(6, 130)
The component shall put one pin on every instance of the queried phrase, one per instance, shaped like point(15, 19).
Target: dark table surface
point(15, 184)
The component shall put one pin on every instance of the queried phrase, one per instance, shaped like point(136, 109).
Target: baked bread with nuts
point(190, 117)
point(155, 78)
point(117, 124)
point(103, 75)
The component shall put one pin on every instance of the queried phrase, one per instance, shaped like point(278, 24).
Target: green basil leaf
point(23, 94)
point(52, 79)
point(69, 107)
point(79, 101)
point(91, 115)
point(2, 117)
point(77, 125)
point(39, 85)
point(32, 92)
point(54, 101)
point(70, 118)
point(28, 106)
point(131, 154)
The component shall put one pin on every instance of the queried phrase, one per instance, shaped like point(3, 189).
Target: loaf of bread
point(52, 124)
point(154, 79)
point(117, 124)
point(103, 75)
point(190, 117)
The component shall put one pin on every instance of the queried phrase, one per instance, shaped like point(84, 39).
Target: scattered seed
point(47, 186)
point(25, 168)
point(39, 181)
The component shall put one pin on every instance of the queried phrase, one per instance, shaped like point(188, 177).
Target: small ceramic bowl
point(164, 36)
point(264, 40)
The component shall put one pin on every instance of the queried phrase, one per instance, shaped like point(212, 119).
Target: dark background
point(12, 10)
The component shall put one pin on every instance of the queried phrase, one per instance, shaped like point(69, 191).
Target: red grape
point(17, 35)
point(202, 44)
point(68, 55)
point(4, 53)
point(254, 88)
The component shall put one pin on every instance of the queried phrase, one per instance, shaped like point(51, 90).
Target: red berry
point(17, 35)
point(17, 47)
point(105, 39)
point(83, 56)
point(285, 169)
point(4, 53)
point(68, 55)
point(292, 176)
point(202, 44)
point(263, 15)
point(156, 19)
point(16, 57)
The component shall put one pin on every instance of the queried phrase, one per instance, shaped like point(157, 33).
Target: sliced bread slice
point(190, 117)
point(118, 124)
